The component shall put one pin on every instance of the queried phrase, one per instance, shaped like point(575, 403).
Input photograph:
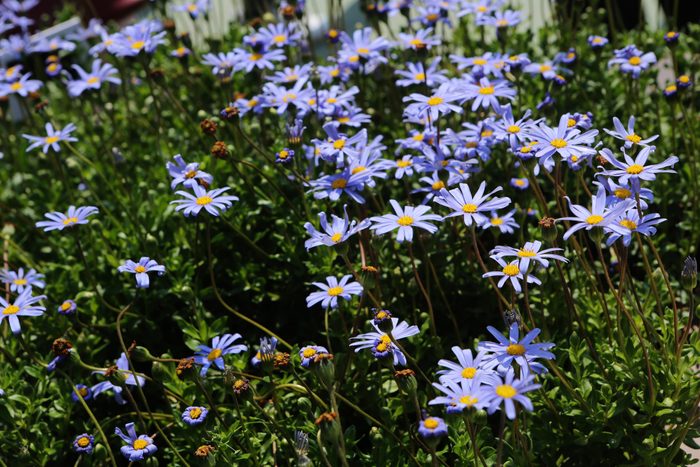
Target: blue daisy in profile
point(220, 346)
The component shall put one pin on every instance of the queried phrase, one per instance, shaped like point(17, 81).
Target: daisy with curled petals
point(632, 171)
point(74, 216)
point(21, 87)
point(598, 216)
point(24, 305)
point(339, 230)
point(632, 222)
point(404, 220)
point(328, 296)
point(511, 272)
point(187, 174)
point(220, 346)
point(19, 281)
point(562, 140)
point(461, 201)
point(137, 447)
point(529, 252)
point(381, 344)
point(513, 349)
point(141, 270)
point(628, 135)
point(468, 366)
point(439, 102)
point(460, 395)
point(100, 73)
point(212, 201)
point(510, 390)
point(52, 138)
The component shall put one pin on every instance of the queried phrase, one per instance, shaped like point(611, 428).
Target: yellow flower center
point(417, 42)
point(468, 400)
point(628, 224)
point(310, 352)
point(479, 61)
point(381, 315)
point(469, 208)
point(255, 57)
point(214, 354)
point(343, 119)
point(622, 193)
point(336, 237)
point(597, 40)
point(339, 183)
point(191, 174)
point(571, 123)
point(83, 441)
point(544, 68)
point(93, 80)
point(11, 310)
point(635, 169)
point(671, 88)
point(405, 221)
point(419, 76)
point(363, 51)
point(16, 86)
point(204, 200)
point(594, 219)
point(20, 281)
point(486, 133)
point(471, 144)
point(335, 291)
point(526, 253)
point(65, 306)
point(354, 59)
point(513, 129)
point(501, 23)
point(334, 72)
point(418, 137)
point(279, 38)
point(525, 149)
point(684, 79)
point(574, 158)
point(195, 412)
point(138, 45)
point(496, 221)
point(469, 372)
point(432, 17)
point(70, 220)
point(515, 349)
point(51, 139)
point(358, 169)
point(558, 143)
point(140, 269)
point(140, 444)
point(506, 391)
point(52, 67)
point(439, 185)
point(403, 164)
point(634, 138)
point(430, 423)
point(192, 7)
point(435, 100)
point(283, 154)
point(634, 61)
point(482, 9)
point(486, 90)
point(511, 270)
point(339, 144)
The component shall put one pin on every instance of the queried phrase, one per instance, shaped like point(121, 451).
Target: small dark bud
point(208, 127)
point(689, 274)
point(61, 347)
point(219, 150)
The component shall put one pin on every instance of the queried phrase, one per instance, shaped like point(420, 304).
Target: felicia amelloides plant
point(438, 236)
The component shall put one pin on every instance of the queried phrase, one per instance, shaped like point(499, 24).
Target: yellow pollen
point(279, 38)
point(283, 154)
point(628, 224)
point(684, 79)
point(558, 143)
point(419, 76)
point(83, 441)
point(332, 100)
point(339, 144)
point(479, 61)
point(381, 315)
point(192, 7)
point(195, 412)
point(570, 55)
point(336, 237)
point(191, 174)
point(214, 354)
point(339, 183)
point(252, 103)
point(255, 57)
point(633, 138)
point(481, 9)
point(20, 281)
point(204, 200)
point(309, 352)
point(335, 291)
point(496, 221)
point(439, 185)
point(430, 423)
point(506, 391)
point(138, 45)
point(468, 400)
point(511, 269)
point(432, 17)
point(65, 306)
point(51, 139)
point(311, 101)
point(354, 59)
point(70, 220)
point(597, 40)
point(140, 269)
point(469, 208)
point(363, 51)
point(403, 164)
point(594, 219)
point(343, 119)
point(574, 158)
point(52, 67)
point(671, 88)
point(513, 129)
point(435, 100)
point(486, 90)
point(544, 68)
point(471, 144)
point(571, 123)
point(501, 23)
point(417, 42)
point(469, 372)
point(486, 133)
point(526, 253)
point(140, 444)
point(520, 182)
point(635, 169)
point(289, 97)
point(418, 137)
point(11, 310)
point(16, 86)
point(358, 169)
point(93, 80)
point(405, 221)
point(634, 61)
point(515, 349)
point(335, 72)
point(622, 193)
point(525, 149)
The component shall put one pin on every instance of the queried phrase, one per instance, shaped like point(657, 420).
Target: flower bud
point(160, 372)
point(219, 150)
point(406, 380)
point(185, 368)
point(330, 428)
point(548, 228)
point(116, 376)
point(208, 127)
point(141, 354)
point(324, 369)
point(689, 274)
